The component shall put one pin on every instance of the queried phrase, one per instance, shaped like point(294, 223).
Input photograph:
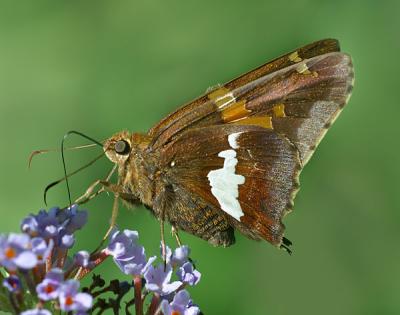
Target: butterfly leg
point(90, 194)
point(118, 192)
point(163, 245)
point(114, 215)
point(174, 232)
point(161, 206)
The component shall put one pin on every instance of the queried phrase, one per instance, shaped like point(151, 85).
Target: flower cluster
point(34, 263)
point(168, 295)
point(57, 224)
point(38, 276)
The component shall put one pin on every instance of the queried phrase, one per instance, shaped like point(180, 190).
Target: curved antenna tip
point(33, 154)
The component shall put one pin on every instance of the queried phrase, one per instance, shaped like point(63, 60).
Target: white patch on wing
point(232, 139)
point(225, 183)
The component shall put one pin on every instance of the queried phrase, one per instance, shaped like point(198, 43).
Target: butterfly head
point(118, 148)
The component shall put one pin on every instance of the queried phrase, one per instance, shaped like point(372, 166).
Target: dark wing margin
point(267, 166)
point(309, 51)
point(199, 112)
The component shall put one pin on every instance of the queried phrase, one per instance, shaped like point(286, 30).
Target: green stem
point(29, 282)
point(14, 304)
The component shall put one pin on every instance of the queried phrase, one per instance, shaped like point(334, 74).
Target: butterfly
point(231, 159)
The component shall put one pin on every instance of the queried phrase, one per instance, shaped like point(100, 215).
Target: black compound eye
point(122, 147)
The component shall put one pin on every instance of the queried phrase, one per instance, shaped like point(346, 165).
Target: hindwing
point(248, 172)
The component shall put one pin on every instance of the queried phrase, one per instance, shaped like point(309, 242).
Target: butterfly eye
point(122, 147)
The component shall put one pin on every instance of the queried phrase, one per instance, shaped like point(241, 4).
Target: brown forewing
point(202, 111)
point(300, 102)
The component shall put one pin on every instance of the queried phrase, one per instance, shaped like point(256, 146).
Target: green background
point(103, 66)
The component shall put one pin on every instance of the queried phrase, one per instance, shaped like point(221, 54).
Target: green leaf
point(5, 304)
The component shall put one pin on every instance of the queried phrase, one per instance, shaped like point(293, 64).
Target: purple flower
point(49, 288)
point(36, 311)
point(72, 300)
point(82, 259)
point(76, 219)
point(66, 240)
point(15, 253)
point(44, 224)
point(128, 255)
point(119, 241)
point(187, 274)
point(179, 256)
point(12, 284)
point(72, 219)
point(30, 226)
point(41, 249)
point(56, 223)
point(181, 305)
point(137, 264)
point(157, 280)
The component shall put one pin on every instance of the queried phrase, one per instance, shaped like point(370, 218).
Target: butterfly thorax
point(136, 166)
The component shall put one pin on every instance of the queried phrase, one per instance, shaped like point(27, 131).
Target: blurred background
point(103, 66)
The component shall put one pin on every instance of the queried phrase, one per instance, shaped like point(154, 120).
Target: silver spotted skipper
point(231, 159)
